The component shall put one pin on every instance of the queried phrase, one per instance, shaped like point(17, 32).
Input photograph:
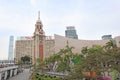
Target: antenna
point(38, 15)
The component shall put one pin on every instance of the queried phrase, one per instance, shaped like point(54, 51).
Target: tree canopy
point(99, 59)
point(25, 59)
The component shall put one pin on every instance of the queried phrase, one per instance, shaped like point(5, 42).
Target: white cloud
point(33, 3)
point(4, 48)
point(16, 22)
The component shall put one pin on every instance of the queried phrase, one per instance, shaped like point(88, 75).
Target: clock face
point(41, 32)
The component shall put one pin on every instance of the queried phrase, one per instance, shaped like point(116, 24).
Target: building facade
point(10, 53)
point(61, 42)
point(23, 47)
point(49, 46)
point(70, 32)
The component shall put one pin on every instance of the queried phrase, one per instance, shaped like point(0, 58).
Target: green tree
point(39, 65)
point(61, 59)
point(99, 60)
point(19, 62)
point(51, 60)
point(84, 50)
point(110, 44)
point(25, 59)
point(64, 62)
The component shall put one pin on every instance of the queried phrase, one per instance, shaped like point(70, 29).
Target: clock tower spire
point(39, 37)
point(38, 15)
point(39, 26)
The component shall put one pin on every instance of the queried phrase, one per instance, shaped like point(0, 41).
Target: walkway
point(22, 76)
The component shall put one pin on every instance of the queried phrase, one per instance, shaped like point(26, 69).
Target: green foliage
point(99, 59)
point(19, 62)
point(62, 58)
point(62, 66)
point(39, 65)
point(84, 50)
point(64, 63)
point(95, 59)
point(52, 58)
point(77, 59)
point(25, 59)
point(110, 44)
point(95, 49)
point(44, 77)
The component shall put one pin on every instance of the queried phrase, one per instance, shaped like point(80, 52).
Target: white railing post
point(5, 77)
point(11, 71)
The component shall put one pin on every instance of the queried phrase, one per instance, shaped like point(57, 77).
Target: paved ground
point(22, 76)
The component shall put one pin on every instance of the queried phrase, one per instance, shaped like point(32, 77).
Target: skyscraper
point(11, 43)
point(71, 32)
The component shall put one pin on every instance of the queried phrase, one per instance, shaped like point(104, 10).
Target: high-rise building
point(10, 53)
point(106, 37)
point(71, 32)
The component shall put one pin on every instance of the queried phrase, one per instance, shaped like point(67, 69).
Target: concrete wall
point(49, 47)
point(61, 42)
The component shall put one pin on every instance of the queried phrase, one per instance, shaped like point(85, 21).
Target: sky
point(91, 18)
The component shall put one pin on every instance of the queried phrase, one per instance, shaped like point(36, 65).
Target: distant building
point(10, 53)
point(78, 44)
point(71, 32)
point(23, 47)
point(106, 37)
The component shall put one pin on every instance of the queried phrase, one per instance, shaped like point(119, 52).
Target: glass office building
point(106, 37)
point(70, 32)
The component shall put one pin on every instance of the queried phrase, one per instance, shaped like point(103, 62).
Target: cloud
point(33, 3)
point(16, 22)
point(4, 48)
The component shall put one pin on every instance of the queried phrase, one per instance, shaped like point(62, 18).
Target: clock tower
point(39, 37)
